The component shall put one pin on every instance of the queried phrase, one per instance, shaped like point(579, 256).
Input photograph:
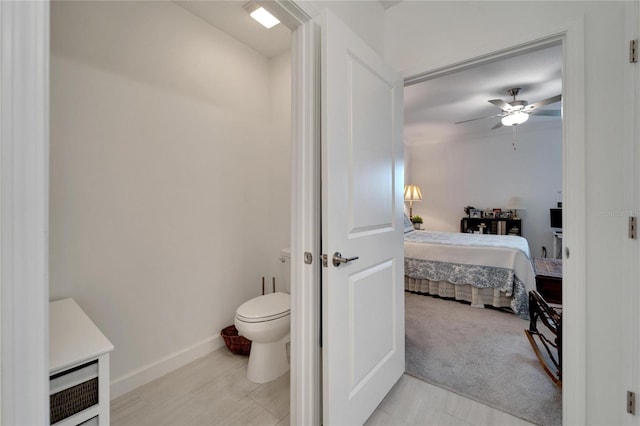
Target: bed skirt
point(476, 296)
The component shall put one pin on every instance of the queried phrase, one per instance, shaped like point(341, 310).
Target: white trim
point(159, 368)
point(574, 189)
point(631, 251)
point(24, 150)
point(574, 330)
point(306, 387)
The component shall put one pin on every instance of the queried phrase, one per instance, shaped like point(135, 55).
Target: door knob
point(339, 260)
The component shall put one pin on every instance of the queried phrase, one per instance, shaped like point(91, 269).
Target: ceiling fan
point(518, 111)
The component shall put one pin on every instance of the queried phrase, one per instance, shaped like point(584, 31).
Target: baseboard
point(159, 368)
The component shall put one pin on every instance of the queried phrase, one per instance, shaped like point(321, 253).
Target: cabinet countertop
point(74, 338)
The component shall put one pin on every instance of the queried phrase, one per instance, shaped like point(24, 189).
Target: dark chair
point(550, 338)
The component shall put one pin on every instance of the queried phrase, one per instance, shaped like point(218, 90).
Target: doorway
point(460, 154)
point(574, 166)
point(170, 186)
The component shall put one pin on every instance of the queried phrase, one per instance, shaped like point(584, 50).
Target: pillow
point(408, 225)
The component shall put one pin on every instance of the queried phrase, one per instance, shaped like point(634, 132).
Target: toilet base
point(268, 361)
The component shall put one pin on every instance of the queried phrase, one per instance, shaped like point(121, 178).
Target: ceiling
point(433, 106)
point(231, 18)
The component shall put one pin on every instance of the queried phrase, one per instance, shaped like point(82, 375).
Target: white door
point(362, 179)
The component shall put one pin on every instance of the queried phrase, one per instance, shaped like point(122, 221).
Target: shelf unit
point(500, 226)
point(78, 367)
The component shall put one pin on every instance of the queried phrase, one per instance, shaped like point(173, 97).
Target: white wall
point(278, 161)
point(484, 173)
point(364, 17)
point(169, 177)
point(422, 36)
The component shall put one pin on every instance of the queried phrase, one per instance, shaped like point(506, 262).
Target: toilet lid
point(265, 308)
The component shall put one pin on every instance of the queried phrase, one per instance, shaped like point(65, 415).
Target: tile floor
point(415, 402)
point(214, 390)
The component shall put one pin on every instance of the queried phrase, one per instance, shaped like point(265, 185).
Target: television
point(555, 218)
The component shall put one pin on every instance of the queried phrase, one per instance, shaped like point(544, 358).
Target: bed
point(481, 269)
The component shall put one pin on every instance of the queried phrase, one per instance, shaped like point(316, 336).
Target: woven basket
point(238, 345)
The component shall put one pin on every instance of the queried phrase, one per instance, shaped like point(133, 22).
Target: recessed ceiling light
point(264, 17)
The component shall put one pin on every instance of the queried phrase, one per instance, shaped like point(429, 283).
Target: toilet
point(266, 320)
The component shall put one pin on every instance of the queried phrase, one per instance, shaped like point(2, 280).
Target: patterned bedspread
point(498, 261)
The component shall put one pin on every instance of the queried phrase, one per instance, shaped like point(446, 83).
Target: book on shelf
point(502, 227)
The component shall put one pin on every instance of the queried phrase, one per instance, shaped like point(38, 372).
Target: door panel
point(362, 179)
point(372, 330)
point(371, 170)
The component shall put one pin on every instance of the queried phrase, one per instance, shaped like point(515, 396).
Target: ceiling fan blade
point(479, 118)
point(546, 112)
point(501, 104)
point(543, 102)
point(497, 126)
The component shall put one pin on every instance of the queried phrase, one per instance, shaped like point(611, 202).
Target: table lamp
point(514, 204)
point(412, 193)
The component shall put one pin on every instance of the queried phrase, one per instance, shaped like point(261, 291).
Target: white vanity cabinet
point(78, 367)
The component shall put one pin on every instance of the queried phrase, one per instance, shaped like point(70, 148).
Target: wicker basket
point(238, 345)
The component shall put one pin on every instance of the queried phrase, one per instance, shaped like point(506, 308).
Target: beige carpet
point(482, 354)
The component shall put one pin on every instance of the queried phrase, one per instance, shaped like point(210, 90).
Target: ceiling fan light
point(515, 118)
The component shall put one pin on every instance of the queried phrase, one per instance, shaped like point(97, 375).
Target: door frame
point(306, 361)
point(24, 212)
point(571, 37)
point(631, 250)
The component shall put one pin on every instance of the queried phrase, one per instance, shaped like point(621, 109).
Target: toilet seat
point(265, 308)
point(262, 319)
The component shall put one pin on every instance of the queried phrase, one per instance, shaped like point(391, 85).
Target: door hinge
point(633, 229)
point(631, 403)
point(325, 261)
point(633, 51)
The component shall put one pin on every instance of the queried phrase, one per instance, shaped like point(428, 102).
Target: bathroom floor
point(214, 390)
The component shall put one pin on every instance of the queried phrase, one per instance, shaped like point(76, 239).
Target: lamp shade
point(412, 193)
point(515, 118)
point(515, 203)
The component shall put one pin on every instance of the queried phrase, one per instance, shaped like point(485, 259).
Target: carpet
point(482, 354)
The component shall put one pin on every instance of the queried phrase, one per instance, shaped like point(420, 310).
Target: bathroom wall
point(277, 162)
point(485, 173)
point(169, 195)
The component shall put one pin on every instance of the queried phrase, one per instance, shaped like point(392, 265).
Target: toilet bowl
point(265, 320)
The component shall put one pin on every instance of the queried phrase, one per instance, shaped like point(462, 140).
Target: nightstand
point(549, 278)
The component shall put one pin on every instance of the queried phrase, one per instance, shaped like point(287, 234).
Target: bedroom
point(471, 164)
point(483, 164)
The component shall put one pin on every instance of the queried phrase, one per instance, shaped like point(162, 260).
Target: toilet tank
point(285, 259)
